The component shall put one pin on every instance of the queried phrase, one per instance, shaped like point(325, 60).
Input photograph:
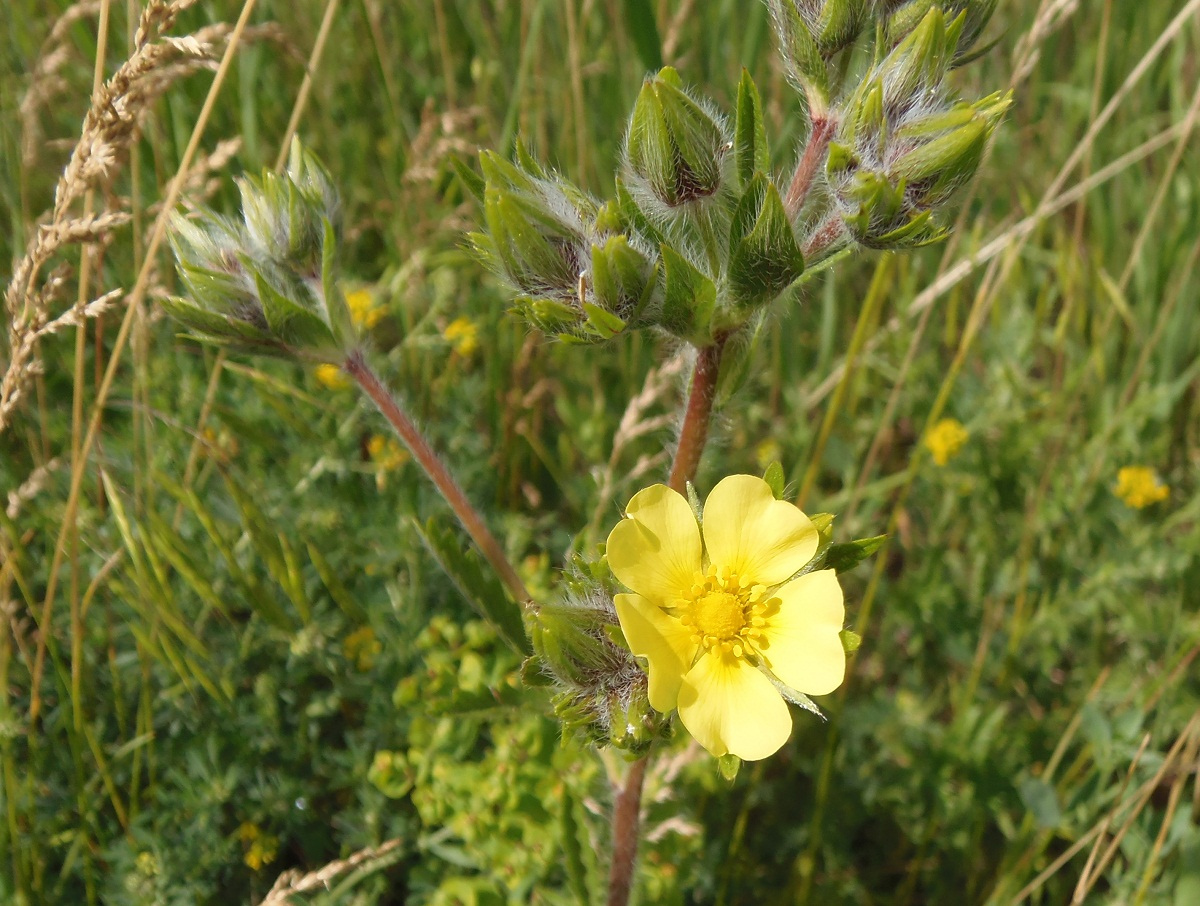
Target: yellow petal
point(729, 706)
point(758, 537)
point(656, 551)
point(661, 639)
point(800, 643)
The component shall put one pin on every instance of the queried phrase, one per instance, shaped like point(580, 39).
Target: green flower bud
point(601, 688)
point(675, 148)
point(832, 25)
point(901, 18)
point(580, 277)
point(267, 284)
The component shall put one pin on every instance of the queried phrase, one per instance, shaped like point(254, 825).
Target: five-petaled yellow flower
point(718, 615)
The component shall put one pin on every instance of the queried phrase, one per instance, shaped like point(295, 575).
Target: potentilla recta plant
point(712, 617)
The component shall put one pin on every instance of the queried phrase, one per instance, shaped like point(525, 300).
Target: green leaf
point(1041, 800)
point(643, 29)
point(776, 479)
point(573, 849)
point(750, 134)
point(848, 555)
point(477, 584)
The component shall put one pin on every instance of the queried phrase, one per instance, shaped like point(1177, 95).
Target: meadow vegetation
point(229, 651)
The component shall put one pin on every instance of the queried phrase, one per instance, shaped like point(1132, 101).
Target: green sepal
point(293, 323)
point(847, 555)
point(340, 319)
point(839, 24)
point(550, 316)
point(775, 479)
point(472, 181)
point(750, 133)
point(605, 323)
point(475, 582)
point(823, 523)
point(689, 300)
point(851, 640)
point(694, 502)
point(728, 766)
point(768, 259)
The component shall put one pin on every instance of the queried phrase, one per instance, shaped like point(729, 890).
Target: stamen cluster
point(724, 611)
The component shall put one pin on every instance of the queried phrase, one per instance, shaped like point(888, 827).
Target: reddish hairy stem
point(810, 162)
point(695, 420)
point(626, 827)
point(357, 367)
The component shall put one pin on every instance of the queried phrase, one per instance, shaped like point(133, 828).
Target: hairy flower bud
point(832, 24)
point(902, 148)
point(901, 18)
point(267, 283)
point(579, 278)
point(600, 687)
point(676, 147)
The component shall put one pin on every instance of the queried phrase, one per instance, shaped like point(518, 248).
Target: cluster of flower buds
point(267, 282)
point(599, 687)
point(902, 147)
point(695, 242)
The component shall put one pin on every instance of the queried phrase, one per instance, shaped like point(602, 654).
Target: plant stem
point(626, 821)
point(626, 827)
point(356, 366)
point(696, 416)
point(810, 162)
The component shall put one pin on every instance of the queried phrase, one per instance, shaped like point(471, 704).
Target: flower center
point(724, 611)
point(718, 614)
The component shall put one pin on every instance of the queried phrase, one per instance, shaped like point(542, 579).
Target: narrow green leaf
point(333, 584)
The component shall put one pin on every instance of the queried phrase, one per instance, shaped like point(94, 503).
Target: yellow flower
point(945, 439)
point(331, 376)
point(1139, 487)
point(260, 848)
point(364, 311)
point(717, 614)
point(361, 647)
point(388, 455)
point(463, 334)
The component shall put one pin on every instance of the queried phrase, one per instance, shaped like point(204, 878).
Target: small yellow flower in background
point(388, 455)
point(261, 848)
point(463, 334)
point(365, 312)
point(718, 616)
point(361, 647)
point(219, 446)
point(332, 377)
point(767, 452)
point(1139, 486)
point(945, 439)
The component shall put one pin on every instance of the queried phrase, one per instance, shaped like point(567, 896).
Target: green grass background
point(1027, 663)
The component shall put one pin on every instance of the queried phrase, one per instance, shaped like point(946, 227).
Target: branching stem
point(810, 162)
point(356, 366)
